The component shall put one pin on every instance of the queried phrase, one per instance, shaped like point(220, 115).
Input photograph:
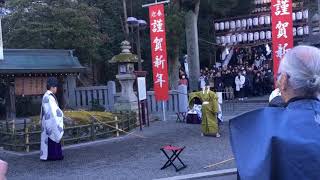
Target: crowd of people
point(239, 81)
point(248, 74)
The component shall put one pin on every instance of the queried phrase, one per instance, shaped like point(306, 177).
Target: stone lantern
point(128, 100)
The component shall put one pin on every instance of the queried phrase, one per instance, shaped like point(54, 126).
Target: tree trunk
point(191, 22)
point(125, 15)
point(174, 66)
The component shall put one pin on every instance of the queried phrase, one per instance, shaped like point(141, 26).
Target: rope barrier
point(216, 164)
point(128, 133)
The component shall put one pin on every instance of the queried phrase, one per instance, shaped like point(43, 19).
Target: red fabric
point(172, 148)
point(159, 52)
point(281, 11)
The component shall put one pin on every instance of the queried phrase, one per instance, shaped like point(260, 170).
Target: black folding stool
point(181, 116)
point(176, 151)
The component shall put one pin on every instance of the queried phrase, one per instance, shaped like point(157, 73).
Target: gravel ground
point(130, 157)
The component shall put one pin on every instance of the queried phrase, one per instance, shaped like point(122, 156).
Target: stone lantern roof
point(125, 56)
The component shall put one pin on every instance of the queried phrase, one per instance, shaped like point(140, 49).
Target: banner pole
point(164, 111)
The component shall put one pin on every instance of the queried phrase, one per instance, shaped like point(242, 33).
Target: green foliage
point(175, 29)
point(60, 24)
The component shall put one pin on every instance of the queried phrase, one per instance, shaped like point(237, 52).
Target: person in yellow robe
point(210, 109)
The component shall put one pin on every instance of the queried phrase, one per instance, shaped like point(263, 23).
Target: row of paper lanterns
point(256, 21)
point(256, 36)
point(256, 2)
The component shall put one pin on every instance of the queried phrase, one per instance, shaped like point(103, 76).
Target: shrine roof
point(18, 61)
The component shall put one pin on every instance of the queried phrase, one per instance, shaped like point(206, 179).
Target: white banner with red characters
point(159, 52)
point(282, 30)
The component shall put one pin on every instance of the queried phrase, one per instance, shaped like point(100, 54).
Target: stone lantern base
point(128, 100)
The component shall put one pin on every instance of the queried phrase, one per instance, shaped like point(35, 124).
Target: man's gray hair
point(302, 64)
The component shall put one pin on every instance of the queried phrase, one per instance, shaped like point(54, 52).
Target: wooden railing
point(28, 138)
point(86, 97)
point(105, 96)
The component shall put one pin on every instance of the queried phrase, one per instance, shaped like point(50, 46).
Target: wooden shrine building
point(23, 76)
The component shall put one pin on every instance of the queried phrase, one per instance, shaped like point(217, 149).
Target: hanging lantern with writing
point(233, 39)
point(255, 21)
point(262, 35)
point(250, 36)
point(228, 39)
point(306, 14)
point(268, 20)
point(221, 26)
point(227, 25)
point(244, 37)
point(269, 35)
point(239, 38)
point(244, 23)
point(299, 15)
point(261, 20)
point(249, 22)
point(216, 26)
point(293, 16)
point(300, 31)
point(256, 36)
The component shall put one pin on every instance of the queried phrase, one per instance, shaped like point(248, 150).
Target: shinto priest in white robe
point(51, 123)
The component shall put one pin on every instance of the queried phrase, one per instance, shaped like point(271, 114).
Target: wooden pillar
point(69, 87)
point(11, 99)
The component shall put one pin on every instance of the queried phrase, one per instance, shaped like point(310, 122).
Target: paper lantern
point(223, 39)
point(227, 25)
point(232, 24)
point(294, 31)
point(255, 21)
point(216, 26)
point(244, 23)
point(239, 38)
point(256, 36)
point(268, 35)
point(262, 35)
point(261, 20)
point(306, 14)
point(300, 31)
point(293, 16)
point(221, 26)
point(249, 22)
point(267, 20)
point(299, 15)
point(250, 36)
point(306, 30)
point(238, 24)
point(233, 39)
point(218, 40)
point(228, 39)
point(244, 37)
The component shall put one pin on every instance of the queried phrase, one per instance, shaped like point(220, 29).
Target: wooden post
point(14, 143)
point(78, 134)
point(27, 139)
point(92, 131)
point(12, 98)
point(117, 126)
